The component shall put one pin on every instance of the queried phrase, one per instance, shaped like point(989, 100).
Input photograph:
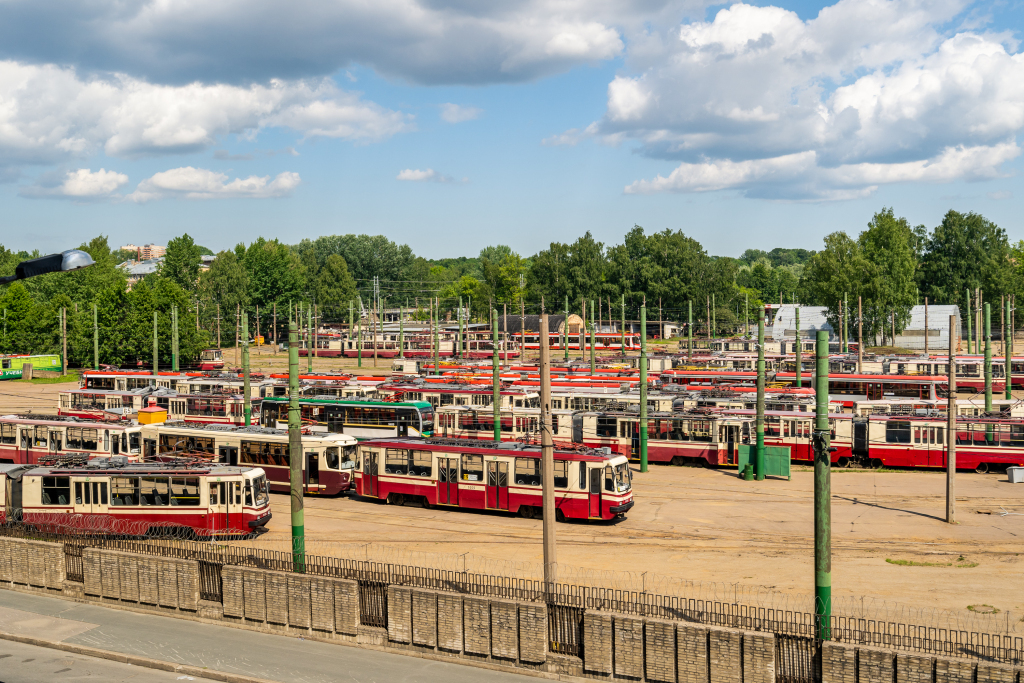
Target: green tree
point(274, 274)
point(966, 251)
point(334, 285)
point(16, 308)
point(834, 273)
point(889, 285)
point(182, 261)
point(365, 255)
point(226, 285)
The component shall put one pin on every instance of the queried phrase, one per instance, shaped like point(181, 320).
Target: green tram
point(361, 418)
point(10, 366)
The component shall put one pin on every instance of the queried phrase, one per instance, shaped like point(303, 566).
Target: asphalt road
point(288, 659)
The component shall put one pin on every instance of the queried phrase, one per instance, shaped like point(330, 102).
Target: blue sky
point(741, 125)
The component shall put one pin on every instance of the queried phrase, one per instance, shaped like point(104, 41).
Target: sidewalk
point(220, 648)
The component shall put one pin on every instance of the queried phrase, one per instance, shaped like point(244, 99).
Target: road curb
point(145, 662)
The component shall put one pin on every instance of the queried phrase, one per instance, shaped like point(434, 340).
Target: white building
point(812, 319)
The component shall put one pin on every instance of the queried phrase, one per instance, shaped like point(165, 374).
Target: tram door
point(370, 464)
point(55, 441)
point(448, 481)
point(497, 485)
point(91, 497)
point(594, 495)
point(228, 454)
point(312, 470)
point(219, 491)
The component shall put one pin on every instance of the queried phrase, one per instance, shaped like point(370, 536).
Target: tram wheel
point(427, 505)
point(678, 460)
point(843, 462)
point(526, 511)
point(875, 464)
point(982, 468)
point(559, 515)
point(396, 499)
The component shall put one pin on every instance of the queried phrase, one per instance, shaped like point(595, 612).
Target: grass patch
point(983, 609)
point(893, 350)
point(961, 563)
point(70, 377)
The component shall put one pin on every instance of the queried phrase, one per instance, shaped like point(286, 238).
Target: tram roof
point(485, 447)
point(354, 401)
point(63, 420)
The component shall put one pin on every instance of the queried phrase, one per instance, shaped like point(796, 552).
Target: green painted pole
point(746, 316)
point(1008, 369)
point(95, 336)
point(156, 348)
point(799, 358)
point(822, 494)
point(846, 324)
point(359, 336)
point(565, 330)
point(988, 357)
point(309, 339)
point(247, 403)
point(593, 363)
point(351, 322)
point(174, 338)
point(496, 383)
point(295, 453)
point(689, 330)
point(622, 329)
point(643, 387)
point(969, 316)
point(759, 459)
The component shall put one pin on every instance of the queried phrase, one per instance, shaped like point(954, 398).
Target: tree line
point(891, 265)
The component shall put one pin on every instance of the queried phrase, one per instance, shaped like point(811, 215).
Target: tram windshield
point(623, 480)
point(426, 421)
point(259, 486)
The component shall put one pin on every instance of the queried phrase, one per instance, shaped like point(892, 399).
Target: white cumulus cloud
point(426, 176)
point(454, 113)
point(868, 92)
point(200, 183)
point(82, 183)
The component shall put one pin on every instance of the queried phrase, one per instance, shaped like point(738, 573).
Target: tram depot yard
point(889, 539)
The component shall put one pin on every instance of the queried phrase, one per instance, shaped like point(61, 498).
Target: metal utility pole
point(988, 357)
point(926, 327)
point(547, 459)
point(970, 314)
point(351, 323)
point(860, 336)
point(622, 330)
point(495, 381)
point(714, 318)
point(218, 326)
point(951, 428)
point(593, 364)
point(1008, 369)
point(708, 319)
point(822, 494)
point(295, 453)
point(846, 324)
point(64, 341)
point(799, 352)
point(458, 343)
point(759, 460)
point(156, 348)
point(359, 335)
point(275, 325)
point(95, 338)
point(689, 330)
point(309, 339)
point(643, 386)
point(174, 338)
point(238, 318)
point(247, 403)
point(522, 326)
point(437, 340)
point(401, 330)
point(565, 331)
point(746, 317)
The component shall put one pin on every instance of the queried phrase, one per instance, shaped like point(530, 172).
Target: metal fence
point(795, 630)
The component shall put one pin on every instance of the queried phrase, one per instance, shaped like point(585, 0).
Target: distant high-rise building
point(150, 251)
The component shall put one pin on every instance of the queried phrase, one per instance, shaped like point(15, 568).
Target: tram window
point(199, 444)
point(8, 434)
point(135, 441)
point(39, 437)
point(421, 464)
point(248, 492)
point(938, 436)
point(154, 491)
point(583, 475)
point(56, 491)
point(124, 491)
point(561, 474)
point(331, 455)
point(917, 435)
point(609, 480)
point(528, 471)
point(184, 491)
point(102, 499)
point(897, 431)
point(396, 461)
point(472, 468)
point(348, 456)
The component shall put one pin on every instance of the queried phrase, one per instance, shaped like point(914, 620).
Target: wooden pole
point(860, 336)
point(547, 458)
point(926, 326)
point(951, 428)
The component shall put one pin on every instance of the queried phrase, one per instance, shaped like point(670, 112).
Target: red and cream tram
point(326, 466)
point(27, 438)
point(490, 475)
point(212, 408)
point(111, 495)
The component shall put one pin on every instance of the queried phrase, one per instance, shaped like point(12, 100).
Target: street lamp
point(72, 259)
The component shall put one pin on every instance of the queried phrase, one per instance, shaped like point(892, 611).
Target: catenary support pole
point(495, 381)
point(310, 341)
point(64, 341)
point(295, 453)
point(951, 428)
point(359, 335)
point(759, 453)
point(822, 494)
point(689, 330)
point(593, 351)
point(401, 330)
point(565, 331)
point(458, 343)
point(926, 326)
point(970, 314)
point(437, 337)
point(156, 348)
point(846, 324)
point(643, 387)
point(860, 336)
point(174, 338)
point(95, 338)
point(547, 460)
point(1008, 365)
point(622, 330)
point(799, 352)
point(351, 322)
point(246, 401)
point(988, 357)
point(714, 318)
